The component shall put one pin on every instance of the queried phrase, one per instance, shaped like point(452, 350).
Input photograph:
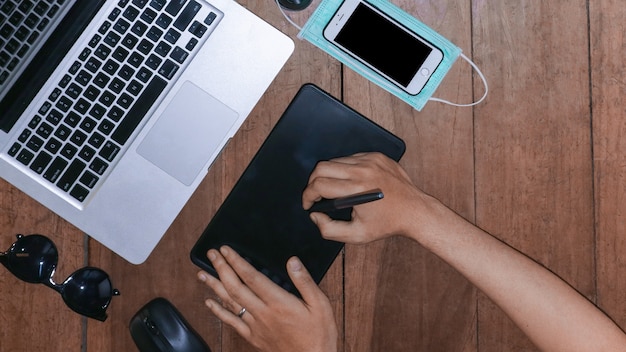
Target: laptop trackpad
point(187, 134)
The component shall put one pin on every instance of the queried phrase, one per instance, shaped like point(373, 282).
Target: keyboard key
point(56, 168)
point(82, 105)
point(78, 138)
point(172, 36)
point(71, 175)
point(125, 101)
point(24, 136)
point(96, 140)
point(88, 124)
point(148, 15)
point(153, 61)
point(106, 127)
point(87, 153)
point(139, 110)
point(102, 52)
point(179, 55)
point(79, 192)
point(130, 13)
point(169, 69)
point(53, 145)
point(97, 111)
point(83, 78)
point(140, 3)
point(91, 93)
point(192, 44)
point(69, 150)
point(154, 34)
point(34, 143)
point(139, 28)
point(89, 179)
point(62, 132)
point(72, 119)
point(109, 151)
point(74, 90)
point(107, 98)
point(130, 41)
point(64, 104)
point(198, 29)
point(101, 80)
point(210, 18)
point(157, 4)
point(120, 54)
point(187, 15)
point(25, 157)
point(41, 162)
point(163, 21)
point(174, 7)
point(45, 130)
point(35, 121)
point(98, 166)
point(145, 47)
point(14, 149)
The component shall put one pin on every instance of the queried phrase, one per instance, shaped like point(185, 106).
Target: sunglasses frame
point(44, 257)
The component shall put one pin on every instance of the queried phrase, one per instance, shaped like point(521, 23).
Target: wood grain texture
point(608, 72)
point(539, 164)
point(534, 186)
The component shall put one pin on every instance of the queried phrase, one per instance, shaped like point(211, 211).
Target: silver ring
point(241, 312)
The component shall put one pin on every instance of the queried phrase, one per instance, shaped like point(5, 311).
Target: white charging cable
point(287, 17)
point(482, 77)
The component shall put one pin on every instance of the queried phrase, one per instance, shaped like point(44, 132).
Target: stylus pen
point(326, 205)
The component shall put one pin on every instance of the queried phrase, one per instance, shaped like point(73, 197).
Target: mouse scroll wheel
point(151, 326)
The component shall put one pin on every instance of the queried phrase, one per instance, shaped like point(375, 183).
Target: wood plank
point(532, 141)
point(608, 71)
point(398, 296)
point(34, 317)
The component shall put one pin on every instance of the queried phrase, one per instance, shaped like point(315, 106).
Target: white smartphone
point(384, 45)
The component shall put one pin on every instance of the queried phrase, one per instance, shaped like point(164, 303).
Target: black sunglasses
point(33, 258)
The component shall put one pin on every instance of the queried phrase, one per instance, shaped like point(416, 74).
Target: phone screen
point(383, 44)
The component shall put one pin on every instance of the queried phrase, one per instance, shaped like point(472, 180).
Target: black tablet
point(262, 218)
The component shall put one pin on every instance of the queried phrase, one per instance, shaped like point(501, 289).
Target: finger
point(259, 285)
point(220, 291)
point(234, 288)
point(310, 292)
point(229, 318)
point(338, 230)
point(328, 188)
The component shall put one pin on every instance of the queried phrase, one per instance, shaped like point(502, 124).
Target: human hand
point(274, 319)
point(403, 209)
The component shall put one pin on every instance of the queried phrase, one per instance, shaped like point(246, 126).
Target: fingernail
point(202, 277)
point(209, 303)
point(295, 264)
point(225, 250)
point(212, 255)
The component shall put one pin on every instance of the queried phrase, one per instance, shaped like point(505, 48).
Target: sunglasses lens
point(32, 258)
point(88, 292)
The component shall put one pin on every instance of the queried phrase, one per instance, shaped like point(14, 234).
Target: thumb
point(303, 281)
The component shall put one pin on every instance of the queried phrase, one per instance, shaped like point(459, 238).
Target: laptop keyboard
point(21, 24)
point(103, 97)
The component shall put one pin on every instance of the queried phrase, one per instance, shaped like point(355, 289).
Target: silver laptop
point(111, 112)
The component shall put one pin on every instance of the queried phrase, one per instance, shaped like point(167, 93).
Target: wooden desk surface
point(540, 164)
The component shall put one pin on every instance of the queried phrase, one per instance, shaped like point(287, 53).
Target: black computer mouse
point(294, 5)
point(160, 327)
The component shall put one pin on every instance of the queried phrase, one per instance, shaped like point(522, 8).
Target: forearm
point(547, 309)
